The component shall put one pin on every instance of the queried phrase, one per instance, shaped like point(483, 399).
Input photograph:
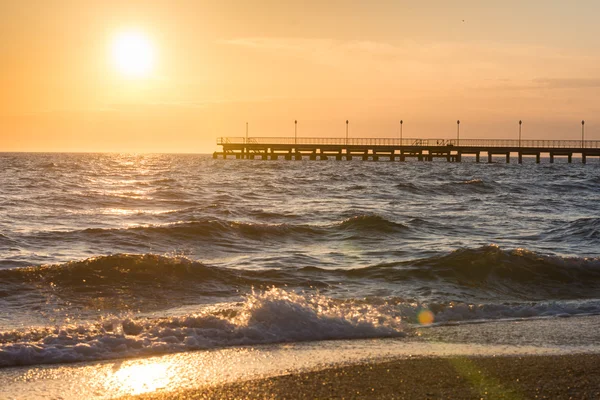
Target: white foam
point(273, 316)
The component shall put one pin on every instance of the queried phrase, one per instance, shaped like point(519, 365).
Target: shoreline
point(558, 356)
point(469, 377)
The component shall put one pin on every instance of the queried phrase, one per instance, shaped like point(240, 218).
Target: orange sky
point(220, 64)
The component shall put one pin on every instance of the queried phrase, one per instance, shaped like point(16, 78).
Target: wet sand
point(526, 377)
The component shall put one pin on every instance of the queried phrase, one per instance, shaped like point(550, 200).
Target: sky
point(219, 64)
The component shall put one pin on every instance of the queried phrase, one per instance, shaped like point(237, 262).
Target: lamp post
point(520, 123)
point(246, 132)
point(346, 132)
point(296, 131)
point(582, 132)
point(401, 122)
point(458, 132)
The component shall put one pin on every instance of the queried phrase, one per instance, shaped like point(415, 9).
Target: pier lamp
point(520, 123)
point(246, 132)
point(458, 132)
point(401, 122)
point(296, 131)
point(346, 132)
point(582, 132)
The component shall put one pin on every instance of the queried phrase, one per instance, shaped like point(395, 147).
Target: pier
point(391, 149)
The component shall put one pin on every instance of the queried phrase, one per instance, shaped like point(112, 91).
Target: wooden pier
point(375, 149)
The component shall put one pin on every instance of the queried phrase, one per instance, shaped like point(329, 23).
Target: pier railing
point(414, 142)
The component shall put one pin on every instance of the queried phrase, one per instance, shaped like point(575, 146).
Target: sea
point(126, 256)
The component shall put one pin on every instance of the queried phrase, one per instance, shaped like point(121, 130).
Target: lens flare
point(425, 317)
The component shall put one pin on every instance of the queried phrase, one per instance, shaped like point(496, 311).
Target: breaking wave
point(130, 281)
point(273, 316)
point(264, 317)
point(281, 305)
point(464, 275)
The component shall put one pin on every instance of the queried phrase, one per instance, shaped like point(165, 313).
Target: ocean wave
point(263, 317)
point(472, 182)
point(205, 229)
point(410, 187)
point(273, 316)
point(129, 281)
point(477, 186)
point(48, 165)
point(452, 312)
point(5, 239)
point(517, 272)
point(225, 231)
point(455, 312)
point(371, 223)
point(491, 271)
point(569, 186)
point(582, 228)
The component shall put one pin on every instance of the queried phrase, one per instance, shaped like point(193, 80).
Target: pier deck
point(375, 149)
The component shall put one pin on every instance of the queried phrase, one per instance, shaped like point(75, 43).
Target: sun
point(133, 54)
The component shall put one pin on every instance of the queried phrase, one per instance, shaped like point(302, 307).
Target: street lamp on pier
point(520, 123)
point(246, 132)
point(401, 122)
point(346, 132)
point(458, 132)
point(296, 131)
point(582, 133)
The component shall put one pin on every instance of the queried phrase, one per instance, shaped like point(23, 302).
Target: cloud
point(567, 83)
point(497, 60)
point(411, 69)
point(537, 84)
point(325, 51)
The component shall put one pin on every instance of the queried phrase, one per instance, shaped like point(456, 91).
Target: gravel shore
point(527, 377)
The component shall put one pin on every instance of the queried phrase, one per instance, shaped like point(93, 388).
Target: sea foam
point(273, 316)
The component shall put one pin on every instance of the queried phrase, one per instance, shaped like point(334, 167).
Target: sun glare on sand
point(133, 54)
point(141, 377)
